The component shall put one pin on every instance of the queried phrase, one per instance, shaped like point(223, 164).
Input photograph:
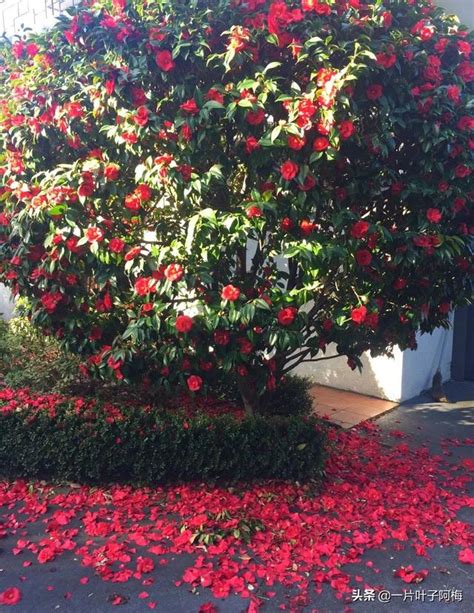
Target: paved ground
point(347, 409)
point(427, 423)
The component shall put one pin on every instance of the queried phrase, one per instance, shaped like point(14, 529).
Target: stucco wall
point(464, 9)
point(402, 376)
point(6, 303)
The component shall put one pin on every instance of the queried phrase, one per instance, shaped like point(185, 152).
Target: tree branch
point(292, 366)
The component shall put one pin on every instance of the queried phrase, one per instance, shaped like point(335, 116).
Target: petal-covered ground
point(386, 507)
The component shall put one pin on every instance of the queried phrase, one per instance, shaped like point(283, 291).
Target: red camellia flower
point(387, 19)
point(444, 308)
point(74, 110)
point(222, 337)
point(186, 133)
point(359, 314)
point(230, 292)
point(374, 92)
point(32, 49)
point(287, 316)
point(190, 107)
point(372, 320)
point(459, 204)
point(464, 47)
point(400, 283)
point(434, 215)
point(346, 129)
point(245, 346)
point(10, 596)
point(321, 8)
point(307, 227)
point(360, 229)
point(116, 245)
point(112, 172)
point(462, 171)
point(87, 186)
point(184, 323)
point(133, 253)
point(147, 308)
point(251, 144)
point(143, 192)
point(466, 556)
point(255, 118)
point(133, 202)
point(194, 383)
point(114, 364)
point(453, 92)
point(465, 123)
point(308, 183)
point(254, 211)
point(296, 142)
point(289, 170)
point(164, 60)
point(174, 272)
point(423, 29)
point(94, 234)
point(214, 94)
point(363, 257)
point(465, 70)
point(141, 117)
point(144, 286)
point(327, 325)
point(386, 60)
point(18, 48)
point(321, 143)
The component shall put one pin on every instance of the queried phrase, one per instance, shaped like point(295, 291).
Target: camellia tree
point(199, 187)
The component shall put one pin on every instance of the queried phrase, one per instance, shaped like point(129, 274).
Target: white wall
point(402, 376)
point(6, 303)
point(464, 9)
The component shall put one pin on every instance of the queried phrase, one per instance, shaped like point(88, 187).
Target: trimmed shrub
point(290, 398)
point(96, 444)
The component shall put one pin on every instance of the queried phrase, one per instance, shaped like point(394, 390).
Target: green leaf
point(59, 209)
point(213, 104)
point(261, 304)
point(190, 233)
point(271, 66)
point(275, 133)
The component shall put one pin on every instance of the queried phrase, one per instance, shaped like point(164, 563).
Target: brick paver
point(347, 409)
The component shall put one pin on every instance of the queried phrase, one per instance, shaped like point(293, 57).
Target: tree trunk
point(249, 395)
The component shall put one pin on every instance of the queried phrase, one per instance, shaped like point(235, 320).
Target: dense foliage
point(193, 186)
point(30, 359)
point(86, 441)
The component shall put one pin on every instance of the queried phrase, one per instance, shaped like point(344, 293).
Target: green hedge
point(154, 447)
